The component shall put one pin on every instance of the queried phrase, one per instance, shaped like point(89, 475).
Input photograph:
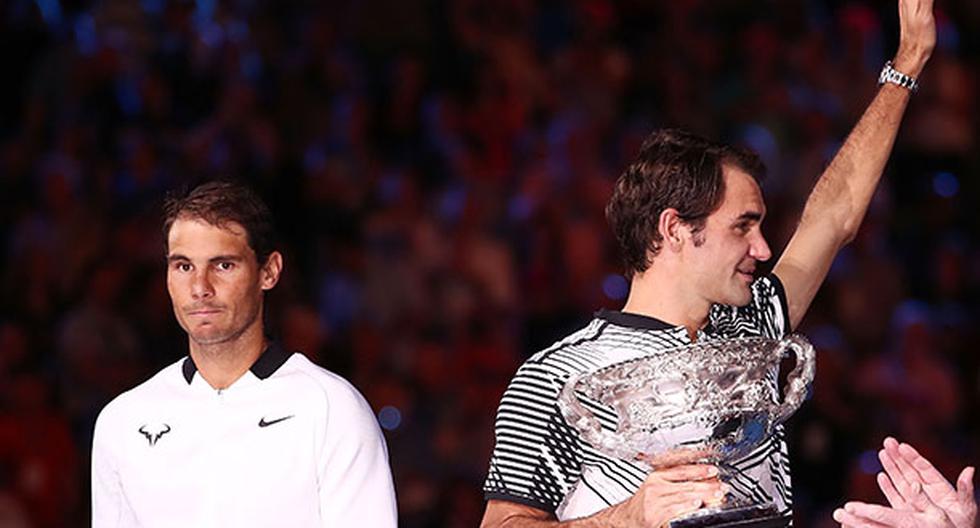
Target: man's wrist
point(910, 63)
point(892, 75)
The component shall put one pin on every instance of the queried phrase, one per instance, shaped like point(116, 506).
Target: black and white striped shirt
point(540, 461)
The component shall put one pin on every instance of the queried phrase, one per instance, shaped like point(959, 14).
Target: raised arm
point(840, 198)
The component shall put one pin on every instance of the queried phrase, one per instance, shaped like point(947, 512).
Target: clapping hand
point(918, 494)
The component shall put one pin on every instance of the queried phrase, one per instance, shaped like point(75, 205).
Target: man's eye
point(226, 266)
point(183, 266)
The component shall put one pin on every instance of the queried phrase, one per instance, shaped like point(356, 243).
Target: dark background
point(439, 172)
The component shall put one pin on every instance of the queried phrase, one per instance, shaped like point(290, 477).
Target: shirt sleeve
point(771, 308)
point(109, 506)
point(355, 484)
point(536, 456)
point(766, 315)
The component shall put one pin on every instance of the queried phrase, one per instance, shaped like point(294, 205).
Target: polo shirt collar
point(268, 363)
point(632, 320)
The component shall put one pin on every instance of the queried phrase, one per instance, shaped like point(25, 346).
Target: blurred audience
point(440, 171)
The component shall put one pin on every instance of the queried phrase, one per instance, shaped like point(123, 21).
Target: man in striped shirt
point(687, 215)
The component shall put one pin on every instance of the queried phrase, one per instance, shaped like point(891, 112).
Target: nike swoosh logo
point(263, 423)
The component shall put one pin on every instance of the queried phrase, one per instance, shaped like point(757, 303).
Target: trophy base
point(743, 517)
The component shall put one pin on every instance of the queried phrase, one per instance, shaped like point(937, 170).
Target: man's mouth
point(203, 311)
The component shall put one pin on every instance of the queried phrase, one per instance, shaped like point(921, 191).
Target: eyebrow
point(749, 215)
point(218, 258)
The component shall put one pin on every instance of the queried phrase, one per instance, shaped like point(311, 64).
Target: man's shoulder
point(578, 351)
point(153, 391)
point(573, 342)
point(315, 383)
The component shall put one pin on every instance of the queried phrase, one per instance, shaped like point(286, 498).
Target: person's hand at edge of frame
point(917, 493)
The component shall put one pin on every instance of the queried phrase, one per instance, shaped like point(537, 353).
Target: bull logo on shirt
point(154, 434)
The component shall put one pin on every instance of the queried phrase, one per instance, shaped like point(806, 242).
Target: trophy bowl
point(708, 402)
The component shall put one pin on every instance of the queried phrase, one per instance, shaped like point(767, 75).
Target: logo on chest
point(154, 433)
point(266, 423)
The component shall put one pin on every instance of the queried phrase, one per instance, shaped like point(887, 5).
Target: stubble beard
point(213, 343)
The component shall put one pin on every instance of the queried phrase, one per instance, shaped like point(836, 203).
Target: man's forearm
point(841, 196)
point(530, 522)
point(601, 519)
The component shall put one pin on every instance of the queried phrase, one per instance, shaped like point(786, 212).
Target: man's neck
point(222, 364)
point(661, 295)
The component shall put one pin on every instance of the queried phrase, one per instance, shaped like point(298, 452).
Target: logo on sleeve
point(264, 423)
point(153, 434)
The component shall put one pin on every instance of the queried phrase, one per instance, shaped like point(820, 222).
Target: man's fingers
point(681, 507)
point(850, 520)
point(964, 492)
point(923, 467)
point(935, 486)
point(888, 488)
point(685, 473)
point(917, 499)
point(707, 489)
point(888, 462)
point(879, 514)
point(905, 467)
point(964, 484)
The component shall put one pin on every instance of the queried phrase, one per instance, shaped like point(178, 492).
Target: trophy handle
point(799, 378)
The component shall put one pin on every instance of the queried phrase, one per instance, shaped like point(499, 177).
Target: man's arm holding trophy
point(831, 217)
point(665, 495)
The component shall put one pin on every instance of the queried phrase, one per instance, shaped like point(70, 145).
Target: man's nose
point(201, 287)
point(759, 248)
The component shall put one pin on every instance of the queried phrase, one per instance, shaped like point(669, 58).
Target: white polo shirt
point(288, 444)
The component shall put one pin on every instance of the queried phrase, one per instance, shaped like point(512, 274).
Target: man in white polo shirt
point(240, 432)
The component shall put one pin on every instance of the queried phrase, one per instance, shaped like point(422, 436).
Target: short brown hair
point(674, 169)
point(221, 202)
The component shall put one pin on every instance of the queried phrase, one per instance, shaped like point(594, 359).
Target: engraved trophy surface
point(709, 402)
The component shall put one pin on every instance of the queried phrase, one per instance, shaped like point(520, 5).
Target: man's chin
point(741, 298)
point(209, 338)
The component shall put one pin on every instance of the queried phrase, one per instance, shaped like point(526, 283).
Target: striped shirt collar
point(633, 320)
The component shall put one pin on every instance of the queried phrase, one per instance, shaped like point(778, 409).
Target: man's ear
point(671, 229)
point(269, 274)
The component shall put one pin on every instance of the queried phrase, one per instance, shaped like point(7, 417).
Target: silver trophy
point(709, 402)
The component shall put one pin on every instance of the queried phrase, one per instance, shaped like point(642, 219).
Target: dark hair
point(674, 169)
point(221, 202)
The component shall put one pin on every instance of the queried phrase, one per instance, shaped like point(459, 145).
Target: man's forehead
point(189, 232)
point(742, 193)
point(189, 223)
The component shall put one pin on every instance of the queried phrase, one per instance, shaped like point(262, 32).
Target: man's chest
point(216, 458)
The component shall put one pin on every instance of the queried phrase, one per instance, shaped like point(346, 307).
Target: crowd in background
point(439, 171)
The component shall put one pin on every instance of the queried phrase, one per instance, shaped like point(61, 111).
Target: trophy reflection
point(709, 402)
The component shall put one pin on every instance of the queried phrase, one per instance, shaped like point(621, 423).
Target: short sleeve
point(536, 456)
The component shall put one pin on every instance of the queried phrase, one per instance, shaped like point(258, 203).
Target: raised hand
point(918, 35)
